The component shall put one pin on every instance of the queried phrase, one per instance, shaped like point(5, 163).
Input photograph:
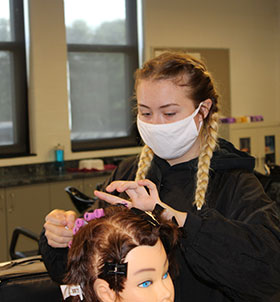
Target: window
point(102, 57)
point(13, 85)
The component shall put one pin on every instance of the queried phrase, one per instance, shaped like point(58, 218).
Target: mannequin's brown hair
point(109, 239)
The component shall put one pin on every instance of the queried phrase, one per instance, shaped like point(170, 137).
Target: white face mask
point(172, 140)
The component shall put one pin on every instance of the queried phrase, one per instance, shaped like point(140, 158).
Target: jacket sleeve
point(55, 259)
point(240, 253)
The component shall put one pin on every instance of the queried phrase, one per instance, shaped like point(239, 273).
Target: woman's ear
point(103, 291)
point(205, 107)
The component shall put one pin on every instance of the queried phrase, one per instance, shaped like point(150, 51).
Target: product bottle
point(59, 158)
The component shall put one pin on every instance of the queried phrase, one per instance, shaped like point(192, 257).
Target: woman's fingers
point(56, 217)
point(137, 191)
point(121, 186)
point(150, 186)
point(111, 198)
point(58, 238)
point(132, 194)
point(147, 183)
point(132, 189)
point(55, 228)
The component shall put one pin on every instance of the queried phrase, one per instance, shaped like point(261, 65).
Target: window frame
point(17, 48)
point(130, 50)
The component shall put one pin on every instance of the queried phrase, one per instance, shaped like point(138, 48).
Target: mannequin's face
point(162, 101)
point(148, 279)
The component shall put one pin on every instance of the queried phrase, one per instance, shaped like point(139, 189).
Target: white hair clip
point(71, 290)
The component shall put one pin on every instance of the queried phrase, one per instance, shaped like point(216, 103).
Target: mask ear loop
point(203, 116)
point(197, 109)
point(195, 113)
point(208, 108)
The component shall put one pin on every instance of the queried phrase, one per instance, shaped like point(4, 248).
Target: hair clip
point(114, 269)
point(148, 216)
point(71, 290)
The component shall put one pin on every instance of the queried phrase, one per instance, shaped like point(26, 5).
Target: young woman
point(121, 257)
point(230, 250)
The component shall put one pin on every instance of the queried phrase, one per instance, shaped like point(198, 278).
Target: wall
point(248, 28)
point(277, 63)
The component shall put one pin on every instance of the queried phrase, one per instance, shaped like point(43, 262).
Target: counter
point(48, 172)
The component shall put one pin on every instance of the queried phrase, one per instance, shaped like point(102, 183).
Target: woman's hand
point(143, 194)
point(58, 227)
point(169, 212)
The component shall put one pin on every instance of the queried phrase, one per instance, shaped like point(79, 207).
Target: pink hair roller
point(75, 230)
point(79, 222)
point(97, 213)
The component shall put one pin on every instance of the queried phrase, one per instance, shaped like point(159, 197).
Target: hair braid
point(204, 160)
point(144, 162)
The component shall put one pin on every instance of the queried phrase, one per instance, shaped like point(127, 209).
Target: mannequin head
point(122, 256)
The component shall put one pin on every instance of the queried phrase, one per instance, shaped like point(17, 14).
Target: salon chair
point(22, 254)
point(81, 201)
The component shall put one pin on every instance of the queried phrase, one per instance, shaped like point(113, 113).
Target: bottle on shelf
point(59, 158)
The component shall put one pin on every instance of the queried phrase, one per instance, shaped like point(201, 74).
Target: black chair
point(81, 201)
point(22, 254)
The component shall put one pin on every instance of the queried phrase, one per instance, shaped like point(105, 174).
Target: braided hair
point(185, 70)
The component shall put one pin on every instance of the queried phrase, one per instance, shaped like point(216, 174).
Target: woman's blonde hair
point(185, 70)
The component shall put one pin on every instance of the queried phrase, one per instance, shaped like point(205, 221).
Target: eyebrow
point(149, 269)
point(144, 270)
point(161, 107)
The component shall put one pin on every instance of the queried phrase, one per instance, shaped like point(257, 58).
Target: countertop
point(47, 172)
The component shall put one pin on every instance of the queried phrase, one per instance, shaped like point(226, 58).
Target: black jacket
point(230, 250)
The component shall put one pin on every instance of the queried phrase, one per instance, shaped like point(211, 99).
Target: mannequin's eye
point(145, 284)
point(165, 275)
